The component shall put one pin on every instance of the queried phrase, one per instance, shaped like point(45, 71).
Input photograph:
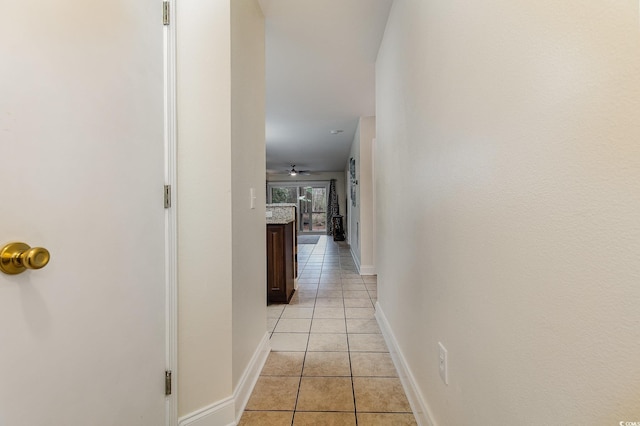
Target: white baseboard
point(419, 405)
point(228, 411)
point(355, 259)
point(367, 270)
point(220, 413)
point(363, 269)
point(250, 376)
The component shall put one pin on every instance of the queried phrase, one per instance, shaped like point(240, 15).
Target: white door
point(81, 174)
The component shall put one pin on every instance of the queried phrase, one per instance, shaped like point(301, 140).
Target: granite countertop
point(283, 205)
point(280, 213)
point(278, 221)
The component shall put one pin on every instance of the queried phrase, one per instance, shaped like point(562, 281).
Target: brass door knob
point(16, 258)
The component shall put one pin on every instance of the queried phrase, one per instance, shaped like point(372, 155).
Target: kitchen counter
point(278, 221)
point(280, 213)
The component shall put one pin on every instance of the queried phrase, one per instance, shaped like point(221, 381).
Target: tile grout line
point(353, 388)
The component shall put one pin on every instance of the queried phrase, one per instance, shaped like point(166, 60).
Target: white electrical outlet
point(443, 367)
point(252, 198)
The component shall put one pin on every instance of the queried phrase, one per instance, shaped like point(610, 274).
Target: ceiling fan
point(294, 172)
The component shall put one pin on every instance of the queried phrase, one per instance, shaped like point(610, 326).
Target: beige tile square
point(354, 287)
point(322, 342)
point(306, 302)
point(370, 278)
point(348, 277)
point(274, 311)
point(330, 267)
point(331, 286)
point(355, 325)
point(304, 418)
point(327, 364)
point(307, 285)
point(293, 325)
point(371, 286)
point(330, 280)
point(266, 418)
point(293, 311)
point(321, 312)
point(362, 313)
point(358, 303)
point(373, 294)
point(329, 293)
point(380, 394)
point(328, 325)
point(289, 342)
point(372, 364)
point(274, 393)
point(309, 276)
point(367, 343)
point(302, 280)
point(355, 294)
point(325, 394)
point(386, 419)
point(306, 293)
point(333, 302)
point(283, 364)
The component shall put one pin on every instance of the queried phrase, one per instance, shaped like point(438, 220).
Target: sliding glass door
point(313, 208)
point(311, 198)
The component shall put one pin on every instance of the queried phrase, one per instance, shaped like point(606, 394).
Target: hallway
point(329, 364)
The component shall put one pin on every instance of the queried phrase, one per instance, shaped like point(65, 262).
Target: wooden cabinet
point(280, 262)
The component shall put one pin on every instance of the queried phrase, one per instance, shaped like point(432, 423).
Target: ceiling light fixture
point(335, 132)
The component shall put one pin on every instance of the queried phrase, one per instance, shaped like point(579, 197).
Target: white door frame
point(171, 242)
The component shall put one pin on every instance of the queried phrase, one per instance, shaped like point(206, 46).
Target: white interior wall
point(365, 194)
point(508, 132)
point(248, 170)
point(221, 97)
point(204, 203)
point(353, 211)
point(360, 216)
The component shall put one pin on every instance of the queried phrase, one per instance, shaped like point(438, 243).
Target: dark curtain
point(333, 208)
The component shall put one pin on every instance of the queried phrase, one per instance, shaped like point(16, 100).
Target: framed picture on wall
point(353, 181)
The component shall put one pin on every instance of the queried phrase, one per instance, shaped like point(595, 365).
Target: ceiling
point(320, 77)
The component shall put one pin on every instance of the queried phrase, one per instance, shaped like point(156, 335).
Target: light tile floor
point(329, 363)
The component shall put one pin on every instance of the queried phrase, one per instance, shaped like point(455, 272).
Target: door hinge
point(165, 13)
point(167, 196)
point(167, 382)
